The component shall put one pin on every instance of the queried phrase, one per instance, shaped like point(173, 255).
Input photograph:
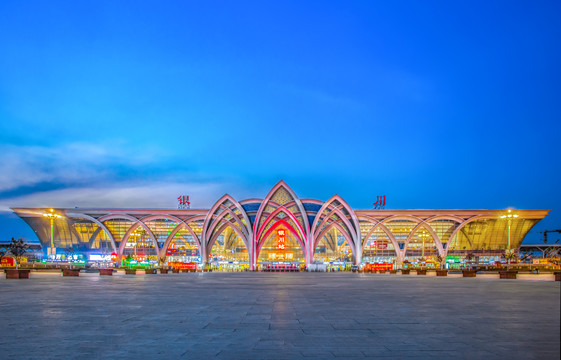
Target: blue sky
point(131, 103)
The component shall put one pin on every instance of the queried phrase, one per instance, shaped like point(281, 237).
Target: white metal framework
point(242, 229)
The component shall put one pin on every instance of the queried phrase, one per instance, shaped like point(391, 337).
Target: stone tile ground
point(278, 316)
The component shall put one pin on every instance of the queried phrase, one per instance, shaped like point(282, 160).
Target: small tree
point(70, 252)
point(509, 255)
point(161, 261)
point(469, 258)
point(128, 259)
point(18, 248)
point(441, 260)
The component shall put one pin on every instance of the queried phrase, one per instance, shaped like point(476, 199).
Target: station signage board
point(281, 245)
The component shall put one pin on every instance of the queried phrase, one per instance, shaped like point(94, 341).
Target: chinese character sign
point(183, 202)
point(280, 241)
point(380, 202)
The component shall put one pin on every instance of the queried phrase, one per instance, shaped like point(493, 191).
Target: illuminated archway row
point(309, 221)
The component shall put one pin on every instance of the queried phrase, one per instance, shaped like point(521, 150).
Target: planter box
point(510, 274)
point(150, 271)
point(557, 275)
point(17, 273)
point(130, 271)
point(468, 273)
point(192, 270)
point(175, 271)
point(421, 271)
point(70, 272)
point(163, 271)
point(184, 270)
point(441, 272)
point(405, 271)
point(382, 271)
point(393, 271)
point(105, 272)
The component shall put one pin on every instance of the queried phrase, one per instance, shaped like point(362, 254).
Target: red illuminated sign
point(280, 242)
point(184, 202)
point(380, 202)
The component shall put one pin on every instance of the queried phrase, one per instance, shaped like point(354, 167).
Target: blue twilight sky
point(436, 104)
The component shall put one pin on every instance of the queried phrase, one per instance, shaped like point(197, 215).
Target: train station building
point(281, 228)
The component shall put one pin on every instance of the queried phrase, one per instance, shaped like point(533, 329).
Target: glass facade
point(246, 231)
point(229, 247)
point(275, 250)
point(333, 247)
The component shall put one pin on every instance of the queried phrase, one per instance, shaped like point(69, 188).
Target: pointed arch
point(170, 237)
point(213, 220)
point(352, 225)
point(343, 232)
point(334, 207)
point(465, 222)
point(99, 223)
point(389, 234)
point(431, 231)
point(129, 232)
point(221, 230)
point(305, 224)
point(452, 223)
point(414, 231)
point(277, 224)
point(271, 217)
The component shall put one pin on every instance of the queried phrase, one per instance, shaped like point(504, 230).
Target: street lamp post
point(509, 216)
point(52, 216)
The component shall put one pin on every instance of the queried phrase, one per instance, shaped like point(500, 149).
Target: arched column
point(345, 234)
point(379, 224)
point(263, 206)
point(169, 239)
point(352, 225)
point(431, 231)
point(211, 221)
point(99, 223)
point(129, 232)
point(220, 231)
point(277, 224)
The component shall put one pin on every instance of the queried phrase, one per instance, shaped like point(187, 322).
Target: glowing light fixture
point(52, 216)
point(509, 216)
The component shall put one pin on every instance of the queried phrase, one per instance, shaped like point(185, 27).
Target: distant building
point(282, 228)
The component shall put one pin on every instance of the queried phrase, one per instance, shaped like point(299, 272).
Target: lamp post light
point(509, 216)
point(52, 216)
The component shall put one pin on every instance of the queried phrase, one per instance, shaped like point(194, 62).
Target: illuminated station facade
point(281, 229)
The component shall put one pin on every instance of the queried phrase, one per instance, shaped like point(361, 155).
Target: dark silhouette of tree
point(18, 248)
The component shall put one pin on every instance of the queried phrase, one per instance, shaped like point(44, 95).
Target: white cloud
point(23, 166)
point(149, 195)
point(85, 177)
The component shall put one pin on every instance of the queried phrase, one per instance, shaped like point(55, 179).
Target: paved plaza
point(278, 316)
